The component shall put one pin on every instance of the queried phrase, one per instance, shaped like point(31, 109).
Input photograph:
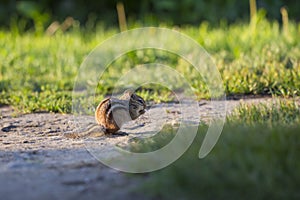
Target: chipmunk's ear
point(127, 94)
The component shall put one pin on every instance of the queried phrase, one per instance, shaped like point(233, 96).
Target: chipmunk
point(112, 113)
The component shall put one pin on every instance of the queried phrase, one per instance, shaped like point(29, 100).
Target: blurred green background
point(149, 12)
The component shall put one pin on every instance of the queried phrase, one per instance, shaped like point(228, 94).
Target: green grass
point(283, 111)
point(250, 160)
point(36, 69)
point(254, 162)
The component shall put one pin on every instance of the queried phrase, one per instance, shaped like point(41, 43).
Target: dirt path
point(38, 162)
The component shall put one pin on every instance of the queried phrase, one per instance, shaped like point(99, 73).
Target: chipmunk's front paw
point(118, 134)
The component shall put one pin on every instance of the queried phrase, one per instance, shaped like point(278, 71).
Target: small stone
point(6, 143)
point(26, 141)
point(8, 128)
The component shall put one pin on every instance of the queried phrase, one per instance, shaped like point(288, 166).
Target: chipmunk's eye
point(134, 107)
point(141, 101)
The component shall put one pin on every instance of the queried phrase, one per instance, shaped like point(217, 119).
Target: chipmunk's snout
point(142, 112)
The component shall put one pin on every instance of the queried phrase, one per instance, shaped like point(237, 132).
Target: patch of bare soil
point(38, 162)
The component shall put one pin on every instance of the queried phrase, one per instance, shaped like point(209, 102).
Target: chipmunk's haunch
point(112, 113)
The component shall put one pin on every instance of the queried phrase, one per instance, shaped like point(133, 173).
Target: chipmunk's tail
point(93, 130)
